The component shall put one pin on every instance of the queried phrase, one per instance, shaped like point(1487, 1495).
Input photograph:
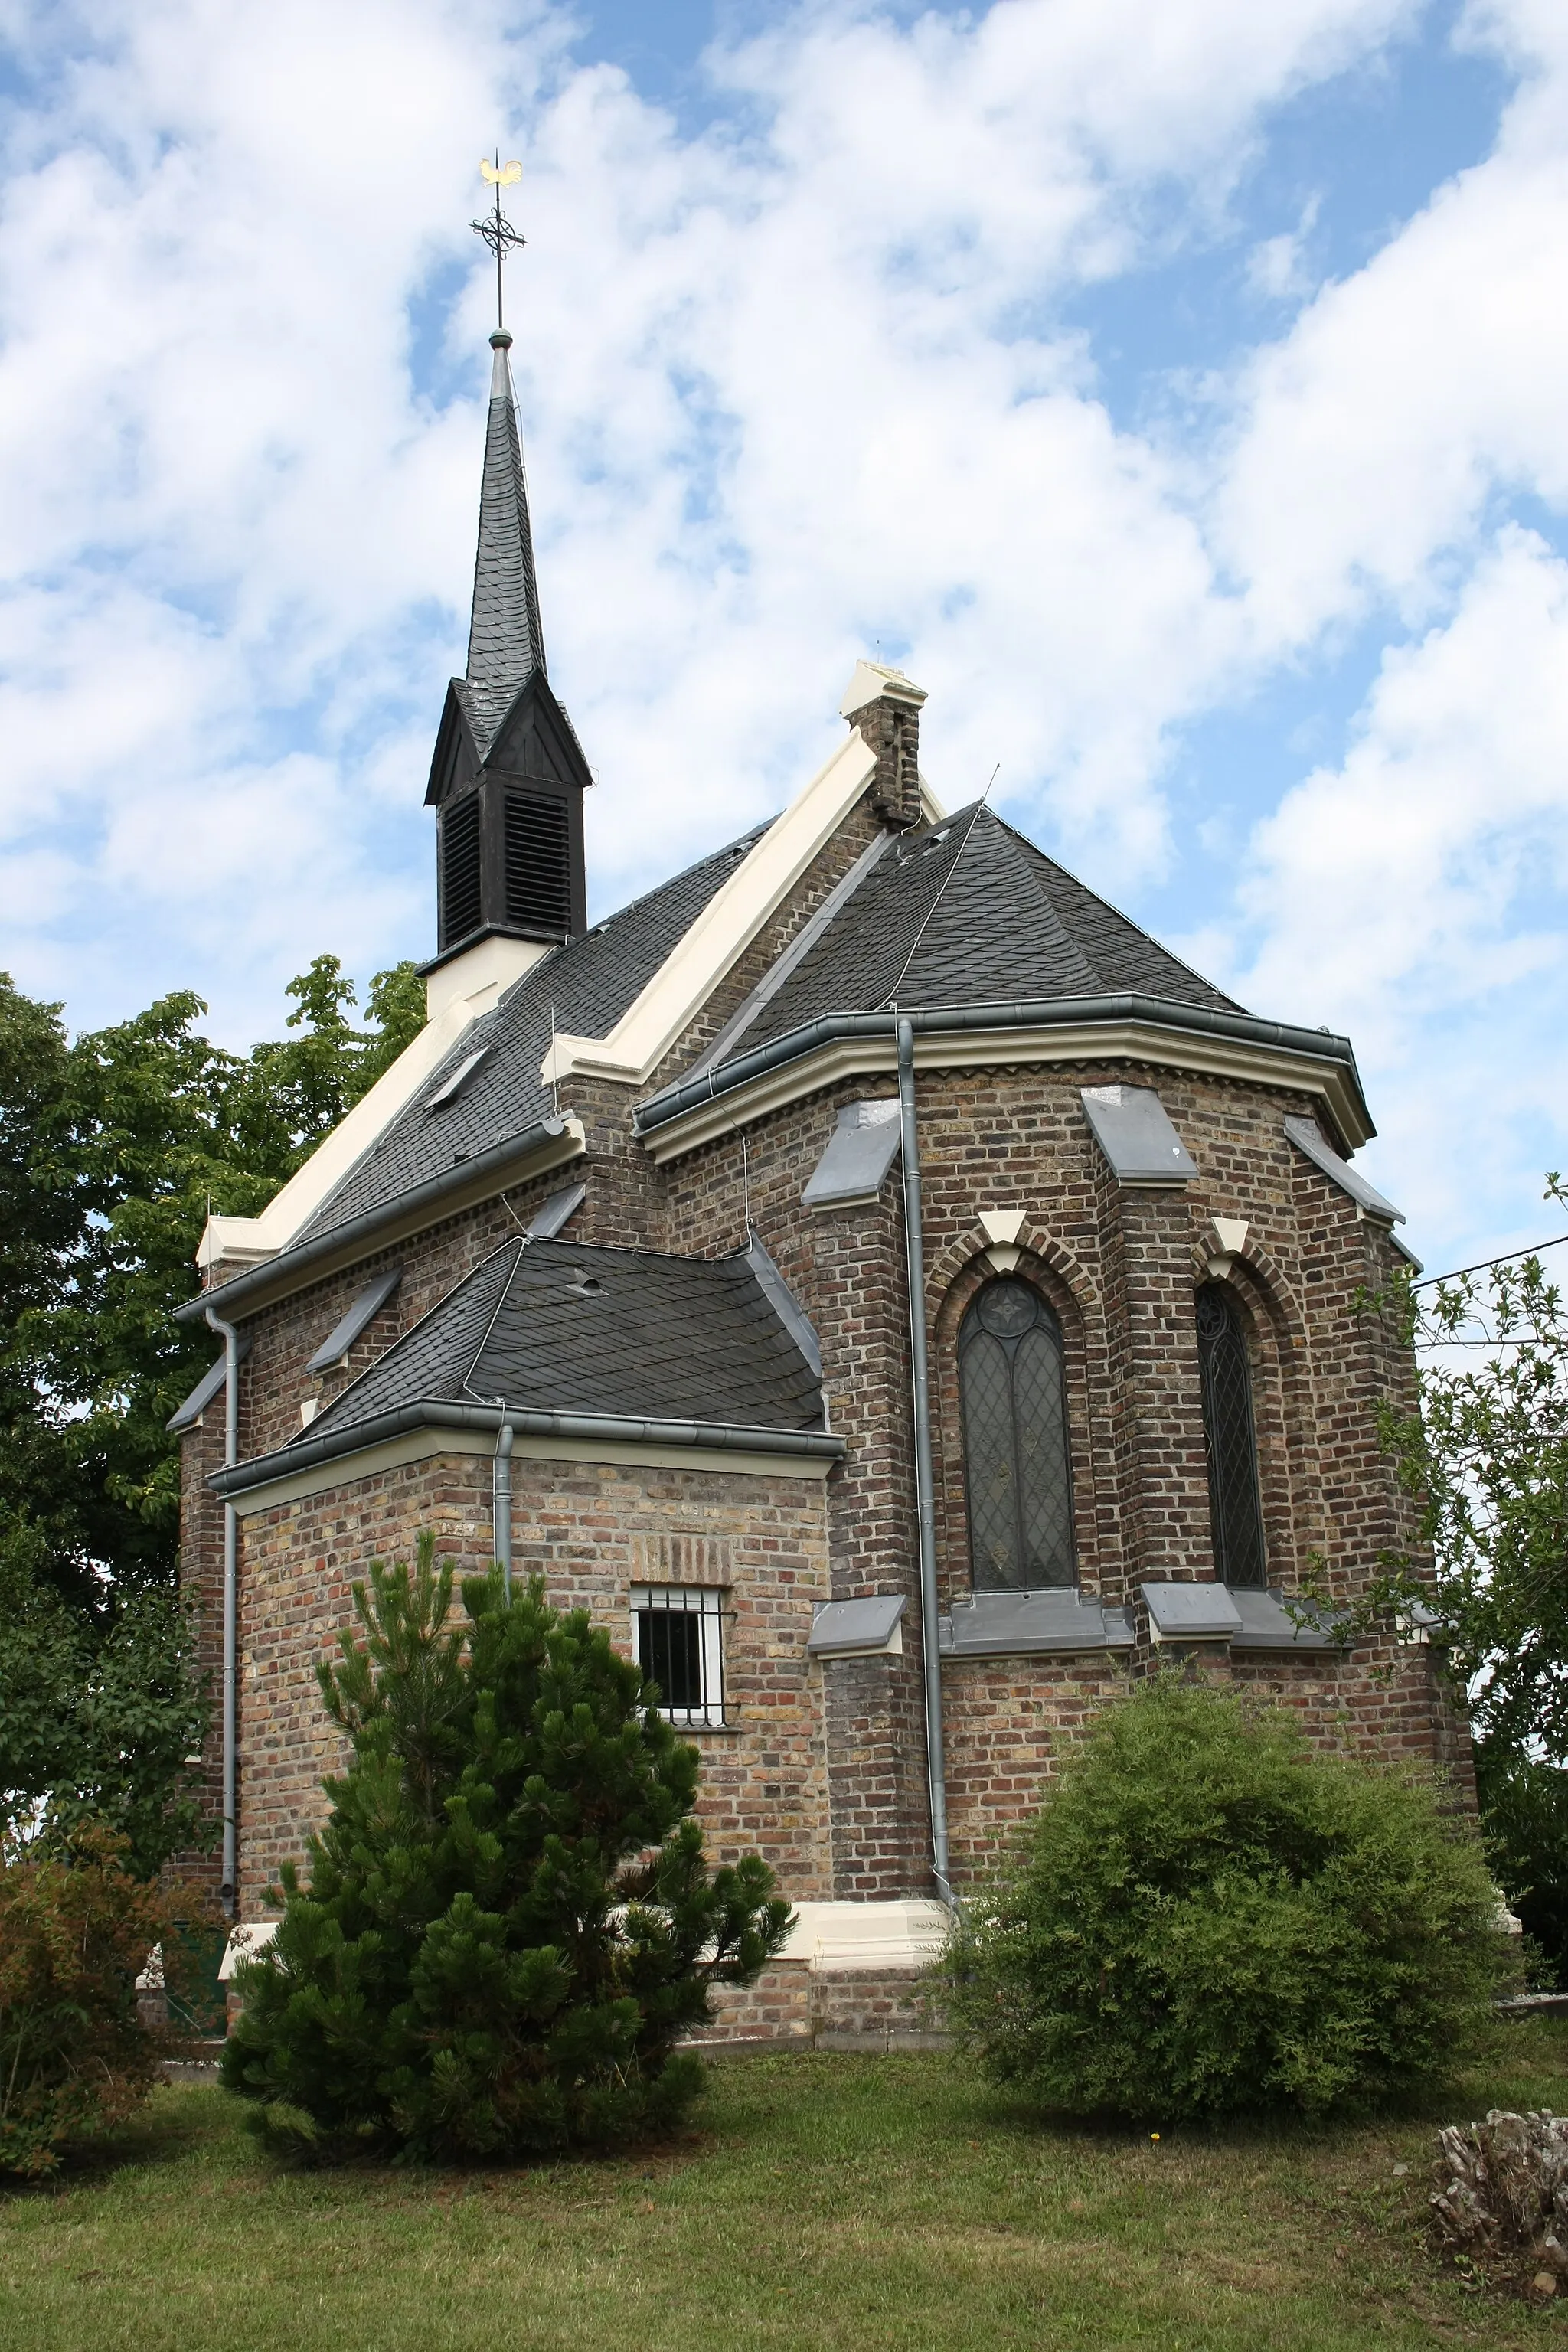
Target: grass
point(831, 2201)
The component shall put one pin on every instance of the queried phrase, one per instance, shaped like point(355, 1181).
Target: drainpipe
point(501, 1505)
point(230, 1339)
point(925, 1483)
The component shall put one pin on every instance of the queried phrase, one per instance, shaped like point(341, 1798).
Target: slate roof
point(969, 913)
point(589, 983)
point(573, 1328)
point(506, 644)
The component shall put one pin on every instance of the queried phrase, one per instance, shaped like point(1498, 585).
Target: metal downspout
point(230, 1339)
point(502, 1503)
point(925, 1484)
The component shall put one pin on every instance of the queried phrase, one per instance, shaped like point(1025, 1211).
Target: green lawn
point(823, 2201)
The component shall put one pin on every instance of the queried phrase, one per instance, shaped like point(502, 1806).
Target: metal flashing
point(210, 1386)
point(552, 1214)
point(1006, 1624)
point(862, 1149)
point(859, 1628)
point(784, 1303)
point(1270, 1623)
point(1191, 1612)
point(1132, 1128)
point(363, 1311)
point(1307, 1136)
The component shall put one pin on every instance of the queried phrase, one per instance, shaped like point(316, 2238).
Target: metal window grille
point(678, 1633)
point(1016, 1464)
point(1235, 1513)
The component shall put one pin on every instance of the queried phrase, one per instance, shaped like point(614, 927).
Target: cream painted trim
point(557, 1151)
point(946, 1049)
point(491, 966)
point(725, 929)
point(426, 1445)
point(248, 1241)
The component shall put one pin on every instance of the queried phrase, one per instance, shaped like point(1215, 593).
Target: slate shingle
point(564, 1327)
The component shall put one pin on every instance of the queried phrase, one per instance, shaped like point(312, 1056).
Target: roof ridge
point(404, 1337)
point(1044, 855)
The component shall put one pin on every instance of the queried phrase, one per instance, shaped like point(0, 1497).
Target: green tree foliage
point(1208, 1916)
point(1487, 1452)
point(113, 1149)
point(508, 1918)
point(77, 1928)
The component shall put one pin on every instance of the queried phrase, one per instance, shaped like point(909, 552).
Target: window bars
point(1230, 1437)
point(1015, 1442)
point(678, 1633)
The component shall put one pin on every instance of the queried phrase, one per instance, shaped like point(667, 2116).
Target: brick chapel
point(894, 1294)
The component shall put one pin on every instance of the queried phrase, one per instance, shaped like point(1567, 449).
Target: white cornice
point(428, 1445)
point(725, 929)
point(1211, 1055)
point(235, 1242)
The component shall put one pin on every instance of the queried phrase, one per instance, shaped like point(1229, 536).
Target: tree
point(1487, 1453)
point(114, 1149)
point(508, 1918)
point(1208, 1916)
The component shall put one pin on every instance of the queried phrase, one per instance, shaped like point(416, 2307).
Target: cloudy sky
point(1179, 392)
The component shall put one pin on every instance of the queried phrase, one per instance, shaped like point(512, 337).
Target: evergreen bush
point(1207, 1916)
point(508, 1920)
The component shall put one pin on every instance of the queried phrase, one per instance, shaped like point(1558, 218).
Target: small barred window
point(1236, 1513)
point(678, 1632)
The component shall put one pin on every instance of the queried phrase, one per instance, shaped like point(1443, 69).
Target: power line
point(1483, 1265)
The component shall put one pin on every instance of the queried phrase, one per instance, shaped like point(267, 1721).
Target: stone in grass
point(1502, 2192)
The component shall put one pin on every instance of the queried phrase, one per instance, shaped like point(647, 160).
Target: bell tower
point(508, 775)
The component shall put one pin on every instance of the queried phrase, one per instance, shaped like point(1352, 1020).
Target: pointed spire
point(506, 645)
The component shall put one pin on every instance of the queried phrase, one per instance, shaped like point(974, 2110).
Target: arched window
point(1234, 1513)
point(1015, 1441)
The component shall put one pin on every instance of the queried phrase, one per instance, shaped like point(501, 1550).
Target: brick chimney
point(886, 707)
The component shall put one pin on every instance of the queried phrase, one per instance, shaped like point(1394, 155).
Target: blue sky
point(1179, 394)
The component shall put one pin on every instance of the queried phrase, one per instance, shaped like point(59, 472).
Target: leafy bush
point(508, 1918)
point(76, 2057)
point(1207, 1916)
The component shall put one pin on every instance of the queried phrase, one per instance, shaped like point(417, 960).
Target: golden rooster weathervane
point(495, 228)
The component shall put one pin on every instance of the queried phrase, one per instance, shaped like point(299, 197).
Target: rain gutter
point(354, 1437)
point(1022, 1012)
point(277, 1275)
point(925, 1483)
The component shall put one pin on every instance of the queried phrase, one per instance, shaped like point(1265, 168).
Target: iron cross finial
point(494, 227)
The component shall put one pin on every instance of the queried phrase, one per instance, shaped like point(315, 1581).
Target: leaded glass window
point(1234, 1512)
point(1015, 1441)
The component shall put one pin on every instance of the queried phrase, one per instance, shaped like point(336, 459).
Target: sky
point(1178, 393)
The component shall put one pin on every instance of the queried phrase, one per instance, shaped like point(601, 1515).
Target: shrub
point(509, 1919)
point(1208, 1916)
point(1524, 1824)
point(77, 1928)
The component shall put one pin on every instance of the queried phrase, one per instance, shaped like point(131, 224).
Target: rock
point(1400, 2171)
point(1543, 2283)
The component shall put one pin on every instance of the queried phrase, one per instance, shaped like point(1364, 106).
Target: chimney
point(886, 707)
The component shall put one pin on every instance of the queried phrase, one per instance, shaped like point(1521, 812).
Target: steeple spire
point(506, 645)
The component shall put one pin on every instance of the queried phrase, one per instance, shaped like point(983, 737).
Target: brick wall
point(594, 1533)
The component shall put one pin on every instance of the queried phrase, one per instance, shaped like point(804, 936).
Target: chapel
point(897, 1296)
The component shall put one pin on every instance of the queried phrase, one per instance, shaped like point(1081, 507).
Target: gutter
point(230, 1339)
point(354, 1437)
point(260, 1281)
point(1023, 1013)
point(925, 1483)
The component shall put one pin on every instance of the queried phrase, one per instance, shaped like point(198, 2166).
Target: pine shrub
point(77, 2057)
point(1207, 1916)
point(507, 1920)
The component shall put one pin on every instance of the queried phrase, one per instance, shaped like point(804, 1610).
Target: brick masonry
point(823, 1770)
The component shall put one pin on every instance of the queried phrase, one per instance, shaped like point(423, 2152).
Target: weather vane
point(495, 228)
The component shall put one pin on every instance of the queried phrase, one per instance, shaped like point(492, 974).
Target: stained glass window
point(1234, 1512)
point(1015, 1441)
